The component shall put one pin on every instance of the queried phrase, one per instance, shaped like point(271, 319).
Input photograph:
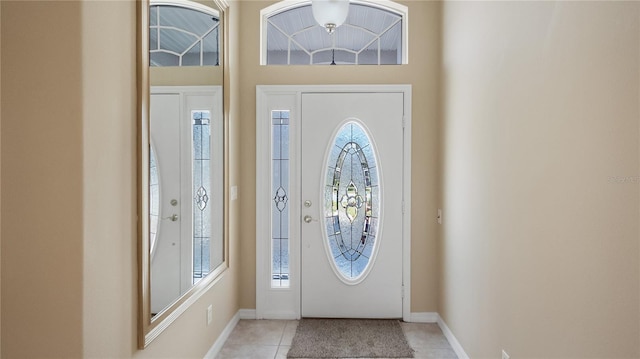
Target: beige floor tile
point(282, 352)
point(241, 351)
point(435, 353)
point(289, 332)
point(260, 339)
point(258, 332)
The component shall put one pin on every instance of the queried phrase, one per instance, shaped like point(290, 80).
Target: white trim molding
point(424, 317)
point(453, 341)
point(247, 313)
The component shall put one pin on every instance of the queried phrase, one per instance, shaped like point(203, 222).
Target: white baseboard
point(247, 313)
point(455, 344)
point(222, 338)
point(424, 317)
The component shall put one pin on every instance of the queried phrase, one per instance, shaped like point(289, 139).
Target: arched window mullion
point(334, 48)
point(195, 28)
point(166, 52)
point(199, 39)
point(296, 15)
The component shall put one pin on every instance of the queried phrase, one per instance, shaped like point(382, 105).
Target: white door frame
point(284, 303)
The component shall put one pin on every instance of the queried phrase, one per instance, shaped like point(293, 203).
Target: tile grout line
point(280, 341)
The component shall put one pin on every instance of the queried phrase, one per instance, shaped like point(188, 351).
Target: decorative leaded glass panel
point(352, 201)
point(280, 199)
point(201, 127)
point(154, 198)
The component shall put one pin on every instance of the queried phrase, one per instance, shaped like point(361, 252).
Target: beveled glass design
point(154, 199)
point(180, 36)
point(352, 201)
point(280, 209)
point(201, 121)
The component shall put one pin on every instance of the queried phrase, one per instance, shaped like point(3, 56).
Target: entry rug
point(349, 338)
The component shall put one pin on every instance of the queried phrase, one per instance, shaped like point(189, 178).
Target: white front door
point(352, 203)
point(166, 228)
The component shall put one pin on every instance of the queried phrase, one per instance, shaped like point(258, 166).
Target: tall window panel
point(280, 192)
point(201, 128)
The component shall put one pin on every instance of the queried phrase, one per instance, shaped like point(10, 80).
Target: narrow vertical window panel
point(201, 174)
point(280, 199)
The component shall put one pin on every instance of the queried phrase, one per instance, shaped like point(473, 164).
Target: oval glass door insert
point(352, 203)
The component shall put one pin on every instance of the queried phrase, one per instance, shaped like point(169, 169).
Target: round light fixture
point(330, 13)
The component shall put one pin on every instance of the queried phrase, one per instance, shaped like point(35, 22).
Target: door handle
point(307, 219)
point(173, 218)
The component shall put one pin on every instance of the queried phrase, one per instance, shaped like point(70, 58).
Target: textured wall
point(540, 178)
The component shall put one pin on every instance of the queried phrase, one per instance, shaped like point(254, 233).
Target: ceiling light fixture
point(330, 13)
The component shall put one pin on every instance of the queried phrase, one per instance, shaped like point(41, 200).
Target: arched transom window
point(183, 33)
point(375, 33)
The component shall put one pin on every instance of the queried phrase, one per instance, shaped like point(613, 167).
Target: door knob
point(308, 219)
point(172, 218)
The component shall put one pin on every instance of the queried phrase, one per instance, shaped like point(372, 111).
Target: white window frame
point(285, 5)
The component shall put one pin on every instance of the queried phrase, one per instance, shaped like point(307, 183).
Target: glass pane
point(176, 41)
point(210, 53)
point(345, 57)
point(280, 199)
point(153, 38)
point(323, 57)
point(298, 56)
point(154, 198)
point(201, 176)
point(163, 59)
point(192, 57)
point(351, 200)
point(391, 46)
point(277, 46)
point(153, 15)
point(369, 56)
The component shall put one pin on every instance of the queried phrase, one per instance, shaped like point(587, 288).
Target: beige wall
point(42, 179)
point(421, 72)
point(69, 258)
point(0, 183)
point(540, 251)
point(185, 76)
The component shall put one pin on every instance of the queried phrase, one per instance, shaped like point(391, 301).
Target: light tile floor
point(271, 339)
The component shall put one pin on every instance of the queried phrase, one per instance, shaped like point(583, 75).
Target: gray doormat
point(349, 338)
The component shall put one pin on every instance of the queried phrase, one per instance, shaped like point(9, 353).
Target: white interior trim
point(424, 317)
point(222, 338)
point(277, 303)
point(187, 5)
point(247, 313)
point(453, 341)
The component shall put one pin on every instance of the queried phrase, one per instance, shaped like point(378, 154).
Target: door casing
point(285, 303)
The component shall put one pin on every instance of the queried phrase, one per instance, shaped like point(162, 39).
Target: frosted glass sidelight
point(352, 201)
point(201, 121)
point(280, 198)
